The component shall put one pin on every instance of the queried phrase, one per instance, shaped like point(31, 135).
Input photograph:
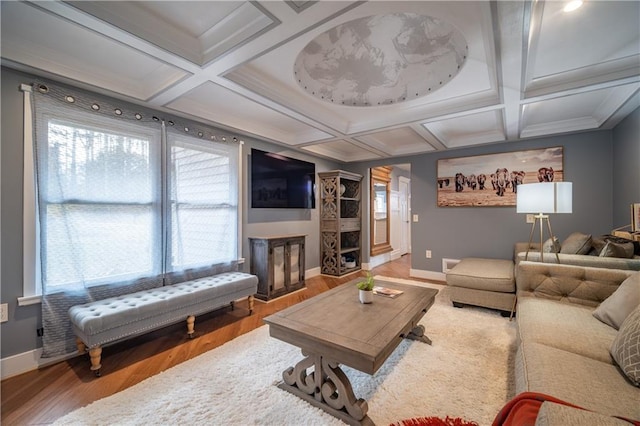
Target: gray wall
point(457, 232)
point(449, 232)
point(626, 168)
point(18, 335)
point(272, 222)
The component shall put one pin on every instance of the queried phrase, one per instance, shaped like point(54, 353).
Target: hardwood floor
point(42, 396)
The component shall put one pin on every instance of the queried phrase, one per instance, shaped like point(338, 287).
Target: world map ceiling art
point(381, 60)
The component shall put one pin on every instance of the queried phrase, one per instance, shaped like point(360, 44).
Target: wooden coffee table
point(334, 328)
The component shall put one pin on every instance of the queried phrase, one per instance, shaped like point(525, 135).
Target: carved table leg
point(326, 387)
point(190, 325)
point(94, 355)
point(417, 333)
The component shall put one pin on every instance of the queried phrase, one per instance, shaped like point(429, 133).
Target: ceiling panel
point(342, 150)
point(572, 49)
point(198, 31)
point(468, 130)
point(401, 141)
point(578, 112)
point(220, 105)
point(80, 54)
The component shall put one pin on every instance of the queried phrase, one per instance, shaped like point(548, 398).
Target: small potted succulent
point(366, 289)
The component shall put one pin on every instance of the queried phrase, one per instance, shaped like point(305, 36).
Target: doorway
point(404, 190)
point(400, 211)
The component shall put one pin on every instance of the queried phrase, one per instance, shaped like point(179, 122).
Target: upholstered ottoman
point(483, 282)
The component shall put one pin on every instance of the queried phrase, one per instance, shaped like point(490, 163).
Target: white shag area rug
point(467, 373)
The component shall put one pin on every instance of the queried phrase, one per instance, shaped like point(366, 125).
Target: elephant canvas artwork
point(493, 179)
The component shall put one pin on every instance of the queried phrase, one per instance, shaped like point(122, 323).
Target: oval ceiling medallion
point(381, 60)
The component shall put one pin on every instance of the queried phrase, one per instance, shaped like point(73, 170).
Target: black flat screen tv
point(281, 182)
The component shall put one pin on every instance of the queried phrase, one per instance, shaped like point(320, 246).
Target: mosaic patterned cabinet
point(340, 222)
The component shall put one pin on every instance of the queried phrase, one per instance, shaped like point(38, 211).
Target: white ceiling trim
point(512, 86)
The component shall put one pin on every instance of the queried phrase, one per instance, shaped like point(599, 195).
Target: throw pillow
point(552, 245)
point(576, 243)
point(625, 348)
point(597, 244)
point(615, 308)
point(636, 244)
point(612, 249)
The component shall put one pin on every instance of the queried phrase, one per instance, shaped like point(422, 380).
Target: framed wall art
point(493, 179)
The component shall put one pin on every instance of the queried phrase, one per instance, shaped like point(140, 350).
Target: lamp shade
point(544, 197)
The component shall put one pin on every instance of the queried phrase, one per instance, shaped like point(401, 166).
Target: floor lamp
point(541, 198)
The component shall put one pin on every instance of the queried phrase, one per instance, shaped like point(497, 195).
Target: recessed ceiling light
point(572, 5)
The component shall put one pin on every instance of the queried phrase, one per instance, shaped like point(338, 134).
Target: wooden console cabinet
point(278, 262)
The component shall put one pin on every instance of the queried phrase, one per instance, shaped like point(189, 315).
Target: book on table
point(387, 292)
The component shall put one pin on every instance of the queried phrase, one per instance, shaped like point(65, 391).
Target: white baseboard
point(378, 260)
point(28, 361)
point(448, 264)
point(396, 254)
point(313, 272)
point(427, 275)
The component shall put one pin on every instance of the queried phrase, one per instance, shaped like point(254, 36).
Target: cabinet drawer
point(350, 224)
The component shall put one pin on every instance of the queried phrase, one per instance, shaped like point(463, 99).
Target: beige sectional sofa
point(564, 351)
point(605, 251)
point(491, 282)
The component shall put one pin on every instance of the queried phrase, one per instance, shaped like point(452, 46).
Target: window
point(203, 203)
point(120, 199)
point(99, 201)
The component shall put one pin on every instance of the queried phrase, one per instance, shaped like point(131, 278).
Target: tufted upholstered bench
point(105, 321)
point(483, 282)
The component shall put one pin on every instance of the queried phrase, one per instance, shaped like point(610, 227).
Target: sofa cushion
point(625, 348)
point(576, 243)
point(569, 283)
point(611, 249)
point(576, 379)
point(615, 309)
point(565, 326)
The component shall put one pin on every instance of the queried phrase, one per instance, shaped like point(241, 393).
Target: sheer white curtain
point(99, 208)
point(99, 198)
point(125, 204)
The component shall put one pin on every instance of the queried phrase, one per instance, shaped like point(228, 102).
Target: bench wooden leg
point(190, 326)
point(81, 346)
point(250, 301)
point(94, 355)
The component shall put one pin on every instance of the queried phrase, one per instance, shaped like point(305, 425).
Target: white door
point(404, 189)
point(396, 226)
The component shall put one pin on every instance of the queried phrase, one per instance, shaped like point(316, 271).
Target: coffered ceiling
point(344, 80)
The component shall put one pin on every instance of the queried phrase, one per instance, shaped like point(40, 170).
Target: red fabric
point(435, 421)
point(523, 410)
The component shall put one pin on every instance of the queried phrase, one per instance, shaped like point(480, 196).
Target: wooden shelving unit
point(340, 222)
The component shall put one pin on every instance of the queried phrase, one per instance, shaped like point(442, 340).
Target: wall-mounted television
point(281, 182)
